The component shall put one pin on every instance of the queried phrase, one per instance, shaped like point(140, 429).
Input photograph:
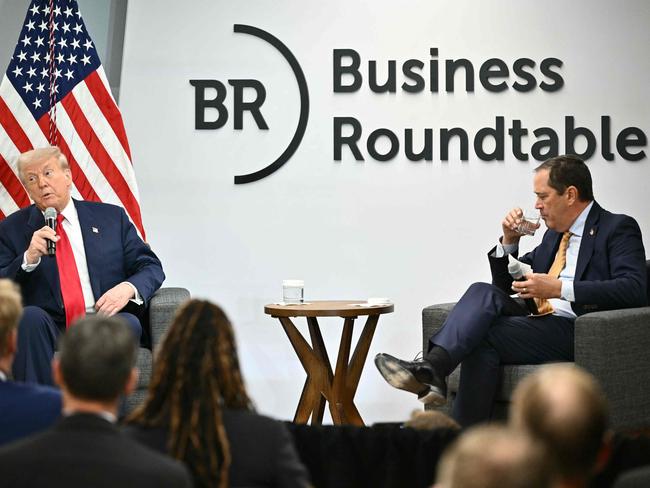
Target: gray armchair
point(614, 346)
point(162, 307)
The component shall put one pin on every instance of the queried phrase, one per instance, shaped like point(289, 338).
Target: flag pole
point(52, 80)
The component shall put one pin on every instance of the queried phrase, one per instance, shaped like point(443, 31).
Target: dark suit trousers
point(487, 328)
point(37, 337)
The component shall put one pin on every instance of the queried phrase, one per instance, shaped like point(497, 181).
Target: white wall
point(415, 232)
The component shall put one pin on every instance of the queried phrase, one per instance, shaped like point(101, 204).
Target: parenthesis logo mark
point(304, 104)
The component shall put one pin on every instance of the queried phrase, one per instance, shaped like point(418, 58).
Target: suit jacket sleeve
point(142, 267)
point(10, 258)
point(616, 275)
point(499, 269)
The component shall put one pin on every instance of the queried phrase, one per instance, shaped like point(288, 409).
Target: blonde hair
point(11, 309)
point(40, 155)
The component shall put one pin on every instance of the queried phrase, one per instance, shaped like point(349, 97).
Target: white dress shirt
point(72, 228)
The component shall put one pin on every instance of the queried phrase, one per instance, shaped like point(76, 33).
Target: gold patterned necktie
point(544, 307)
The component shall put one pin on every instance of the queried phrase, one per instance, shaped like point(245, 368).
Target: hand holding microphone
point(50, 221)
point(43, 242)
point(514, 268)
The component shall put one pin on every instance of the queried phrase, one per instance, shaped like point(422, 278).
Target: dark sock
point(440, 360)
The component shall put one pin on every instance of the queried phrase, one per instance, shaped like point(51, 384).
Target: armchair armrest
point(162, 307)
point(615, 347)
point(433, 317)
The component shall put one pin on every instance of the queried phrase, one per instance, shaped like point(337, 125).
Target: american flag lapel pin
point(95, 230)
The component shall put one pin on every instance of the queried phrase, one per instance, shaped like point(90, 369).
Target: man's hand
point(114, 299)
point(538, 285)
point(509, 226)
point(38, 246)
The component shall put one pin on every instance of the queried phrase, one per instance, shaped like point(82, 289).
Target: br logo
point(239, 106)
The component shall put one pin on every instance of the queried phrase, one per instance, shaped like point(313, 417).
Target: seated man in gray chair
point(589, 260)
point(94, 262)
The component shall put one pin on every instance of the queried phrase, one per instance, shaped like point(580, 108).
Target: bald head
point(563, 407)
point(494, 457)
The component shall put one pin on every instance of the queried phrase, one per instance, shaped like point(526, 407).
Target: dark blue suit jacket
point(86, 450)
point(26, 408)
point(114, 253)
point(610, 272)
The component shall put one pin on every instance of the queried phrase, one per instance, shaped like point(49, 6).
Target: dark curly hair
point(196, 376)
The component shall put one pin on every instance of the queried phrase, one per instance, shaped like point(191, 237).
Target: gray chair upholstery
point(614, 346)
point(162, 307)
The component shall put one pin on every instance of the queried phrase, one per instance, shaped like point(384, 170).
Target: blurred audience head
point(10, 311)
point(96, 360)
point(197, 375)
point(563, 407)
point(492, 456)
point(431, 420)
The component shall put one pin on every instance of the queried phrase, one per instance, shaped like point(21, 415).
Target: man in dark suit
point(95, 365)
point(24, 408)
point(101, 265)
point(589, 259)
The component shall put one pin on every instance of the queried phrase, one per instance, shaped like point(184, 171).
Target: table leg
point(353, 373)
point(321, 385)
point(360, 354)
point(317, 384)
point(339, 394)
point(309, 404)
point(320, 350)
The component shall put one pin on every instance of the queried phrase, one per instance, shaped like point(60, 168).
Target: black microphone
point(50, 221)
point(514, 268)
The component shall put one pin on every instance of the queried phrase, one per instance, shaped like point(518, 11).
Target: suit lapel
point(91, 237)
point(546, 259)
point(48, 265)
point(588, 240)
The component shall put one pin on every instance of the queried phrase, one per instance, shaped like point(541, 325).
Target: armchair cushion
point(162, 307)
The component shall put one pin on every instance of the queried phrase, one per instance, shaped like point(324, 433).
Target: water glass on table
point(293, 292)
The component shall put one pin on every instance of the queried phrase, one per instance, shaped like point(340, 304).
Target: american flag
point(55, 60)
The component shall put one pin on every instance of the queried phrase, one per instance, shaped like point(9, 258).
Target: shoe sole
point(402, 379)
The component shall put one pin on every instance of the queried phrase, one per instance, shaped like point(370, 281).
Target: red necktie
point(73, 297)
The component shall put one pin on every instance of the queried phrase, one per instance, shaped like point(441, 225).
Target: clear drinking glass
point(529, 222)
point(293, 291)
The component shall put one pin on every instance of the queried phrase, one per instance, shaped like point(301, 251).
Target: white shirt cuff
point(503, 249)
point(568, 293)
point(29, 267)
point(137, 299)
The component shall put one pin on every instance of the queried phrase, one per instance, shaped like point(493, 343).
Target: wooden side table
point(321, 386)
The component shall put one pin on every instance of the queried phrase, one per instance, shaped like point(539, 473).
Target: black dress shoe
point(419, 377)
